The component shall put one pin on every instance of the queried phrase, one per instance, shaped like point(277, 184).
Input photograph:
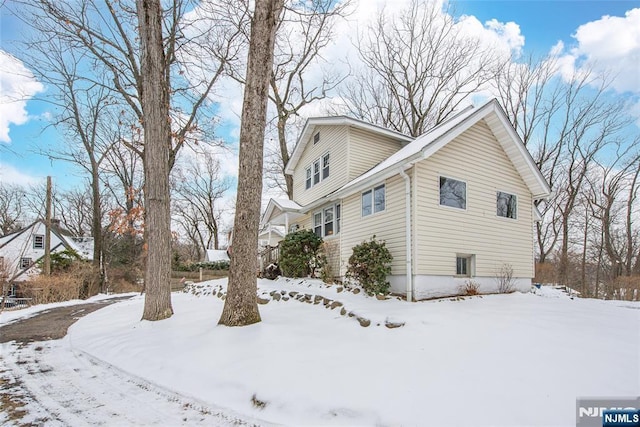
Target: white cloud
point(17, 86)
point(11, 175)
point(610, 45)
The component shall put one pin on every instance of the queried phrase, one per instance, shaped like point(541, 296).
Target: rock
point(363, 322)
point(392, 325)
point(381, 297)
point(335, 304)
point(262, 300)
point(292, 294)
point(356, 291)
point(317, 299)
point(339, 289)
point(283, 292)
point(343, 311)
point(285, 298)
point(272, 272)
point(308, 297)
point(351, 314)
point(326, 301)
point(276, 296)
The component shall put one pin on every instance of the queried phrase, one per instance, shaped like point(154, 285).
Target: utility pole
point(47, 236)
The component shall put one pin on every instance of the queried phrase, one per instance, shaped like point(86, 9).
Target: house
point(453, 205)
point(270, 236)
point(216, 255)
point(20, 251)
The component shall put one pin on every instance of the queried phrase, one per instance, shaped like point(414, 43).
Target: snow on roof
point(217, 255)
point(286, 204)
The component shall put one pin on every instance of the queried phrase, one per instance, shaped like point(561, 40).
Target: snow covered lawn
point(518, 359)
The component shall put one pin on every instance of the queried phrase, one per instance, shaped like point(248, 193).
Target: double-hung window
point(327, 221)
point(506, 205)
point(308, 178)
point(325, 166)
point(453, 193)
point(316, 172)
point(374, 200)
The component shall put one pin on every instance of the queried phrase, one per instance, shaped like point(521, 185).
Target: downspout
point(407, 198)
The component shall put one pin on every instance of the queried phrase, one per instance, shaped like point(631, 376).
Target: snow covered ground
point(517, 359)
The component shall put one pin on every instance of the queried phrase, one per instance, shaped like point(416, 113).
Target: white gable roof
point(432, 141)
point(313, 122)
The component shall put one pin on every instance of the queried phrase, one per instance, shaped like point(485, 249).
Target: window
point(38, 241)
point(463, 265)
point(308, 181)
point(328, 221)
point(378, 199)
point(373, 201)
point(316, 138)
point(25, 262)
point(316, 172)
point(453, 193)
point(325, 166)
point(337, 218)
point(366, 203)
point(317, 224)
point(506, 205)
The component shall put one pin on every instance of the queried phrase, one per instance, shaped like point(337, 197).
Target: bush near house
point(301, 254)
point(370, 264)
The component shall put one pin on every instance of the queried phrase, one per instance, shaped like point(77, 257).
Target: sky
point(607, 33)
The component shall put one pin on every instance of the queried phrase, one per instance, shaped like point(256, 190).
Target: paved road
point(46, 381)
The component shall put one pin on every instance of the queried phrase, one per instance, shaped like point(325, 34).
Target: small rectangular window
point(337, 218)
point(453, 193)
point(317, 224)
point(378, 199)
point(506, 205)
point(308, 179)
point(38, 241)
point(366, 203)
point(316, 172)
point(316, 137)
point(325, 166)
point(25, 263)
point(463, 266)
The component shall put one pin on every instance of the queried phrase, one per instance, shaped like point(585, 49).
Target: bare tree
point(198, 191)
point(74, 209)
point(306, 29)
point(11, 208)
point(240, 307)
point(419, 67)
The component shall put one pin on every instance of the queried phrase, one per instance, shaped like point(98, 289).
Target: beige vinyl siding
point(388, 225)
point(442, 232)
point(303, 222)
point(333, 140)
point(366, 149)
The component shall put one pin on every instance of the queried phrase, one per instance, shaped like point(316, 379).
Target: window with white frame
point(327, 221)
point(453, 193)
point(25, 262)
point(506, 205)
point(464, 265)
point(38, 241)
point(317, 223)
point(374, 200)
point(316, 172)
point(325, 166)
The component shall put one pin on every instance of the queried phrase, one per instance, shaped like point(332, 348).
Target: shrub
point(505, 279)
point(370, 264)
point(470, 288)
point(301, 254)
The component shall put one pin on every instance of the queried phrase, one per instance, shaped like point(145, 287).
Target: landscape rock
point(363, 322)
point(262, 300)
point(335, 304)
point(392, 325)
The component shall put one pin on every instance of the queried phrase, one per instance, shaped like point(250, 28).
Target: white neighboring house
point(453, 205)
point(20, 251)
point(214, 255)
point(270, 236)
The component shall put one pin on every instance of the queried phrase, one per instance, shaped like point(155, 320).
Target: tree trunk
point(96, 225)
point(240, 307)
point(157, 137)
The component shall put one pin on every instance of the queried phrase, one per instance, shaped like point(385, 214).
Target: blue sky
point(540, 25)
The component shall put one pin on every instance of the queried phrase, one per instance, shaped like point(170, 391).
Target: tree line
point(140, 103)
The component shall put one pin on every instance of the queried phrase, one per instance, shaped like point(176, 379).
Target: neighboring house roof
point(214, 255)
point(311, 124)
point(278, 207)
point(276, 231)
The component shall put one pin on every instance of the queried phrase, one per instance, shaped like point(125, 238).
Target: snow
point(214, 255)
point(503, 360)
